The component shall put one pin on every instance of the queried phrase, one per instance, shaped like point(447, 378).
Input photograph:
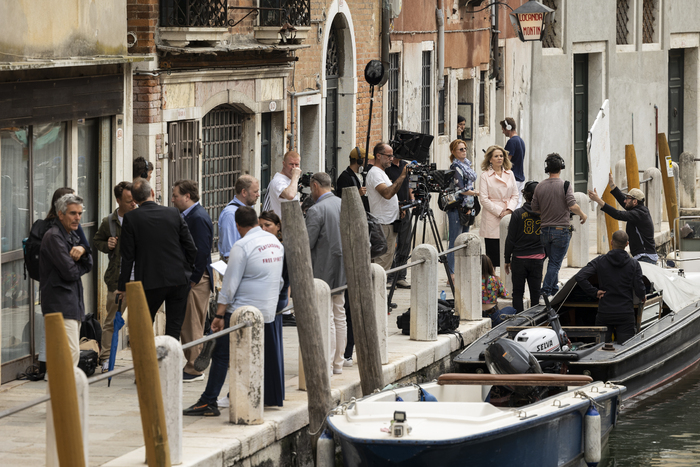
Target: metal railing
point(118, 371)
point(215, 13)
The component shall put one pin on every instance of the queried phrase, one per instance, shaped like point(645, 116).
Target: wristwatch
point(219, 316)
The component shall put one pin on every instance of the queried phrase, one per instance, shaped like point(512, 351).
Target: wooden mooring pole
point(301, 280)
point(143, 349)
point(669, 182)
point(64, 396)
point(356, 256)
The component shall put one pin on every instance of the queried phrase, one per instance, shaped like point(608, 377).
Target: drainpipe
point(440, 18)
point(386, 27)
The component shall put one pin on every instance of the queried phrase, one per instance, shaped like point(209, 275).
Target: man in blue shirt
point(516, 152)
point(247, 190)
point(186, 199)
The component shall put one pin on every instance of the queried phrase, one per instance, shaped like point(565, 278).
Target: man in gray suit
point(323, 225)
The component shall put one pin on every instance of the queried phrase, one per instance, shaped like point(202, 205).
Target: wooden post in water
point(301, 280)
point(143, 349)
point(632, 167)
point(356, 256)
point(669, 182)
point(64, 396)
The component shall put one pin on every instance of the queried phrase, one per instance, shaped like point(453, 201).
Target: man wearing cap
point(350, 177)
point(640, 227)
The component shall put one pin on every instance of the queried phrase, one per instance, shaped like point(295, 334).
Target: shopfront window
point(33, 167)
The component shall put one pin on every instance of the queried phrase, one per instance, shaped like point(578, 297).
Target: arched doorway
point(340, 92)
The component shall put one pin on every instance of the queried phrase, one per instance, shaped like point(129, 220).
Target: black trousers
point(350, 345)
point(403, 246)
point(623, 325)
point(529, 270)
point(175, 299)
point(492, 251)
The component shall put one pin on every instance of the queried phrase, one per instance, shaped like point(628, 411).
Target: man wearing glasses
point(640, 227)
point(383, 202)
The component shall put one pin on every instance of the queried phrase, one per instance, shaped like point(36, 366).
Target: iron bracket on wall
point(254, 10)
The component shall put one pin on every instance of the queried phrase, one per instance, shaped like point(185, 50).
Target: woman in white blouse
point(498, 194)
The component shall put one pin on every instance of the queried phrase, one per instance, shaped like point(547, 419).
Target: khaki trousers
point(195, 317)
point(108, 326)
point(386, 260)
point(73, 332)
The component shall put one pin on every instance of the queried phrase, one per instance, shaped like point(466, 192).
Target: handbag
point(377, 240)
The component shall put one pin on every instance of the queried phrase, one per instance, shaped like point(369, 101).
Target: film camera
point(424, 177)
point(303, 188)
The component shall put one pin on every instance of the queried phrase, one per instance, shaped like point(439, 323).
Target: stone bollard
point(246, 368)
point(424, 294)
point(171, 360)
point(81, 387)
point(468, 277)
point(507, 279)
point(577, 256)
point(653, 195)
point(380, 303)
point(602, 244)
point(686, 161)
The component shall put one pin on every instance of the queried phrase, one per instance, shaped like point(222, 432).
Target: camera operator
point(403, 234)
point(350, 177)
point(383, 202)
point(284, 185)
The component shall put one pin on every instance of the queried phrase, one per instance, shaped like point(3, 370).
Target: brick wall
point(142, 20)
point(366, 17)
point(147, 99)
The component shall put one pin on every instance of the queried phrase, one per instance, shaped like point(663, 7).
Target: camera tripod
point(422, 211)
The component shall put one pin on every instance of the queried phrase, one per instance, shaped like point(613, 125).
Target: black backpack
point(448, 322)
point(32, 247)
point(91, 328)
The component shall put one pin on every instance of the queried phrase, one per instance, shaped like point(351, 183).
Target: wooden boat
point(398, 427)
point(666, 345)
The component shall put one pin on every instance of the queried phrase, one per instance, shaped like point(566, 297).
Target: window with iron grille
point(552, 32)
point(393, 93)
point(649, 21)
point(193, 13)
point(294, 12)
point(623, 21)
point(441, 112)
point(221, 161)
point(425, 93)
point(183, 151)
point(482, 99)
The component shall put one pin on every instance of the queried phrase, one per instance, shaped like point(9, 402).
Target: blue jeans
point(455, 228)
point(219, 366)
point(555, 241)
point(498, 315)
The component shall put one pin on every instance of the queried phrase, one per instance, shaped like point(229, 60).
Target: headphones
point(508, 127)
point(554, 163)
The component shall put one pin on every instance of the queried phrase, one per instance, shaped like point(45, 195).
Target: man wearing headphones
point(554, 199)
point(516, 152)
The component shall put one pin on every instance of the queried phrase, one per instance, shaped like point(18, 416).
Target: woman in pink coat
point(498, 195)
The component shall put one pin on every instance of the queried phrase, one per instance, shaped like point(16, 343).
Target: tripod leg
point(438, 243)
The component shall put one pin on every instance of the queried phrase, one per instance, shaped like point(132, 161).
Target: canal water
point(661, 430)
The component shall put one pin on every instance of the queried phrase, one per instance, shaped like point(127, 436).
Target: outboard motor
point(506, 357)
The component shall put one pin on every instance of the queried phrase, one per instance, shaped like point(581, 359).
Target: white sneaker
point(223, 402)
point(337, 371)
point(347, 363)
point(105, 366)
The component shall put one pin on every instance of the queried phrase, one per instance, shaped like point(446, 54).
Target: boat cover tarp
point(678, 292)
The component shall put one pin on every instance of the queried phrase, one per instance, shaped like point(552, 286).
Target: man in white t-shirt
point(383, 202)
point(284, 184)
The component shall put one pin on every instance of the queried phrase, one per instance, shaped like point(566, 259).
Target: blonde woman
point(498, 194)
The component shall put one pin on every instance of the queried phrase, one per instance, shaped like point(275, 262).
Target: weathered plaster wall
point(62, 28)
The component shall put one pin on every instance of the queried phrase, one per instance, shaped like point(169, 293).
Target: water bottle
point(443, 296)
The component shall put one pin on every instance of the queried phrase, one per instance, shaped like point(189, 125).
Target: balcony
point(208, 21)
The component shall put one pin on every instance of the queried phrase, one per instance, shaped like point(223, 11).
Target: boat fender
point(591, 437)
point(325, 450)
point(425, 396)
point(398, 399)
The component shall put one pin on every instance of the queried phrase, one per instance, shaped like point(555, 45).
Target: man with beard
point(640, 227)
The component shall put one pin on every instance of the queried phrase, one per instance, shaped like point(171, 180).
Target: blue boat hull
point(546, 441)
